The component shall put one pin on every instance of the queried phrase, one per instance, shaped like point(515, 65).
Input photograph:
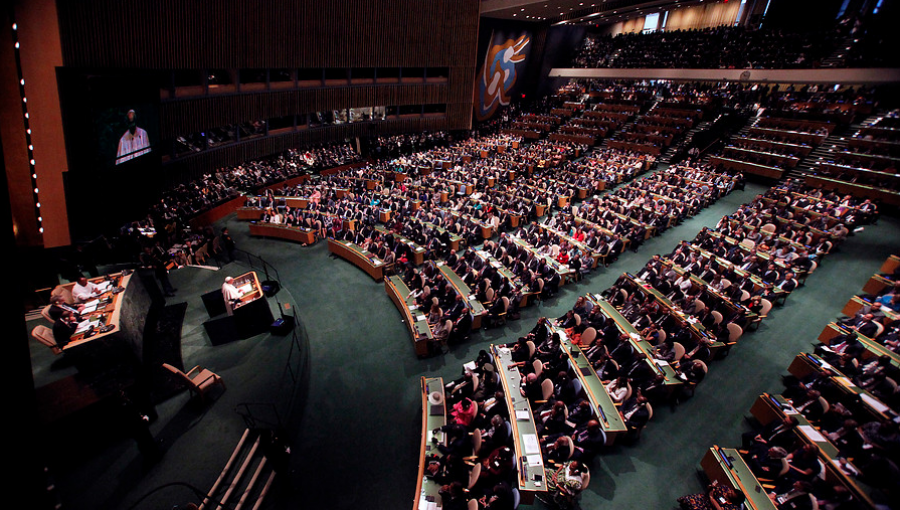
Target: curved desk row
point(726, 466)
point(414, 318)
point(434, 416)
point(602, 404)
point(472, 303)
point(362, 259)
point(296, 234)
point(768, 408)
point(639, 343)
point(529, 460)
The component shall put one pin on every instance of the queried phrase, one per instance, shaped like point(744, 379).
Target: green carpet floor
point(355, 418)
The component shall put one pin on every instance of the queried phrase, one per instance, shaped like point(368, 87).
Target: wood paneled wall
point(199, 34)
point(191, 115)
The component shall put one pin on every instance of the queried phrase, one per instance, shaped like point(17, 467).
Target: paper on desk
point(531, 444)
point(662, 362)
point(470, 366)
point(83, 326)
point(91, 305)
point(535, 460)
point(811, 433)
point(104, 286)
point(522, 416)
point(874, 403)
point(845, 381)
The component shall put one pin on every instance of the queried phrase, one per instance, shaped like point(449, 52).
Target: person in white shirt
point(133, 143)
point(231, 294)
point(85, 291)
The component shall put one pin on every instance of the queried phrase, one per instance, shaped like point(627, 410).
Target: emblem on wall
point(498, 76)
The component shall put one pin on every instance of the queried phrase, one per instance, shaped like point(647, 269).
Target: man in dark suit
point(64, 328)
point(589, 439)
point(635, 412)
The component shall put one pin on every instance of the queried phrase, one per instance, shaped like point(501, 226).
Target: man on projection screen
point(134, 142)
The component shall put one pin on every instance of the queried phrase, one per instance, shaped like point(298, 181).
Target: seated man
point(85, 291)
point(635, 413)
point(64, 328)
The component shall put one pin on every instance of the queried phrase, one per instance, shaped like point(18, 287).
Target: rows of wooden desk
point(362, 259)
point(413, 317)
point(288, 233)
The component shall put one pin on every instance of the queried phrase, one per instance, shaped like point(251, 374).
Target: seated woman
point(618, 389)
point(567, 483)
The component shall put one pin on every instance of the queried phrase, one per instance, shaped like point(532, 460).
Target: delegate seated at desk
point(85, 291)
point(64, 327)
point(231, 294)
point(58, 307)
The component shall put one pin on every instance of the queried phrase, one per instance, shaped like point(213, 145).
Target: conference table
point(531, 477)
point(602, 405)
point(361, 258)
point(102, 314)
point(415, 320)
point(434, 416)
point(726, 466)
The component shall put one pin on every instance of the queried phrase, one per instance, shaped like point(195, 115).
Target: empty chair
point(45, 313)
point(812, 268)
point(699, 306)
point(538, 367)
point(474, 474)
point(546, 389)
point(198, 380)
point(734, 332)
point(476, 442)
point(769, 227)
point(717, 316)
point(66, 294)
point(44, 335)
point(679, 351)
point(588, 336)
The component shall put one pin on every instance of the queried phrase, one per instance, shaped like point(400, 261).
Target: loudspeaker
point(270, 287)
point(283, 326)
